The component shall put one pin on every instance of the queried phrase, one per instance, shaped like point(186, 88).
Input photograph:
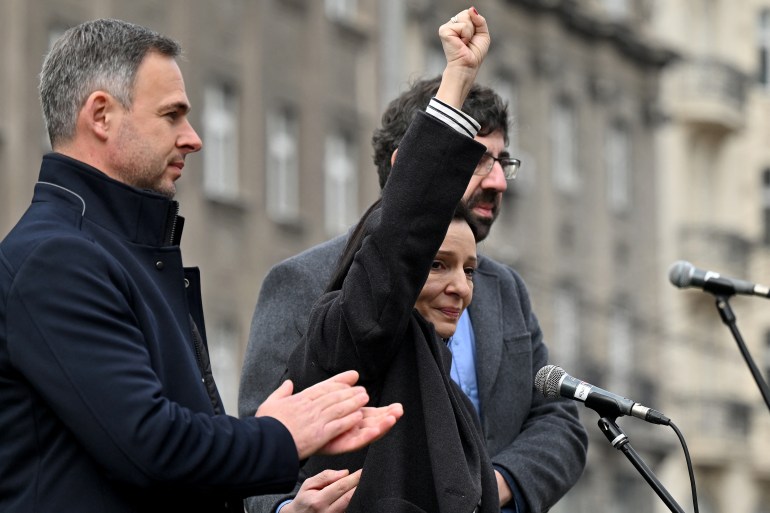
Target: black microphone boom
point(683, 274)
point(552, 381)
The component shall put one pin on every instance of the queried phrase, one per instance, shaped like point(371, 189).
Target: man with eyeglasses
point(509, 164)
point(538, 447)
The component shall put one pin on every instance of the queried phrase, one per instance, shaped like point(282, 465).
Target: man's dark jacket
point(106, 398)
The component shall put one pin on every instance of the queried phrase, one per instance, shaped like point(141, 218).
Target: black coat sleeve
point(359, 326)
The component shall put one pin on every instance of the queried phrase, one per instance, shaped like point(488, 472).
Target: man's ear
point(98, 114)
point(393, 157)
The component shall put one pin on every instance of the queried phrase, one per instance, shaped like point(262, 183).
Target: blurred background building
point(643, 128)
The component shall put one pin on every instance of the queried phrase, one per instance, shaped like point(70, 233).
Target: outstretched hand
point(329, 417)
point(465, 39)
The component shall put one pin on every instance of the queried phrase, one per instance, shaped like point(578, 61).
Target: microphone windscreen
point(680, 274)
point(547, 380)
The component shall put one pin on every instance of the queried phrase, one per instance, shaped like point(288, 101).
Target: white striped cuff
point(458, 120)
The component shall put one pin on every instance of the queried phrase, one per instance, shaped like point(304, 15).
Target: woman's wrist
point(456, 82)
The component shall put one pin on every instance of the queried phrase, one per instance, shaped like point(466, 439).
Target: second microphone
point(552, 381)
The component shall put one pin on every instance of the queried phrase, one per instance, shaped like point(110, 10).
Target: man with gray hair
point(107, 401)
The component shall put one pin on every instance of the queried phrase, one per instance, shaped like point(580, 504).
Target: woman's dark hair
point(463, 213)
point(365, 226)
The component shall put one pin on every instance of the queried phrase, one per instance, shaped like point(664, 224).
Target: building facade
point(714, 164)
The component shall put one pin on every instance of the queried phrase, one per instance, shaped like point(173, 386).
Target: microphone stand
point(728, 317)
point(620, 441)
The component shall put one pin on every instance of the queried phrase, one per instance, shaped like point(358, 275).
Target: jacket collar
point(487, 318)
point(139, 216)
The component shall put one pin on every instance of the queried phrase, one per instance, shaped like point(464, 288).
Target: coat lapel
point(487, 318)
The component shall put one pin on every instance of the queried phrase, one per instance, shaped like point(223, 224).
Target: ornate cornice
point(588, 25)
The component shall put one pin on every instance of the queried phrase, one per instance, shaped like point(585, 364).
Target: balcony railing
point(717, 430)
point(711, 93)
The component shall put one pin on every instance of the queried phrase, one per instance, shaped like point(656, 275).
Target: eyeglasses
point(510, 166)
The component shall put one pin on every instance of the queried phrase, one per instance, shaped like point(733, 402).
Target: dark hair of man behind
point(482, 104)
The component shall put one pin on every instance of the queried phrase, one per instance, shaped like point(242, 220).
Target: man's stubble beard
point(483, 224)
point(137, 166)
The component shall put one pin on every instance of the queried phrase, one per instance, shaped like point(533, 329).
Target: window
point(763, 43)
point(765, 360)
point(766, 205)
point(617, 158)
point(506, 88)
point(738, 418)
point(526, 180)
point(566, 327)
point(629, 494)
point(282, 181)
point(706, 501)
point(341, 184)
point(220, 152)
point(762, 502)
point(617, 9)
point(341, 10)
point(223, 353)
point(563, 148)
point(620, 350)
point(435, 61)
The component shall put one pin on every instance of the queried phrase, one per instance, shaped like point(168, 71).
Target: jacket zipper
point(172, 220)
point(204, 364)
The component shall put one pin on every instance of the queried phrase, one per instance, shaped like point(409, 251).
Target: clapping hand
point(330, 417)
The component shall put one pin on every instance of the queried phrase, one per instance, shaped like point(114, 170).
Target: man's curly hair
point(482, 104)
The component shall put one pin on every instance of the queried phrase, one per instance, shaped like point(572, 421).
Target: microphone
point(683, 274)
point(553, 382)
